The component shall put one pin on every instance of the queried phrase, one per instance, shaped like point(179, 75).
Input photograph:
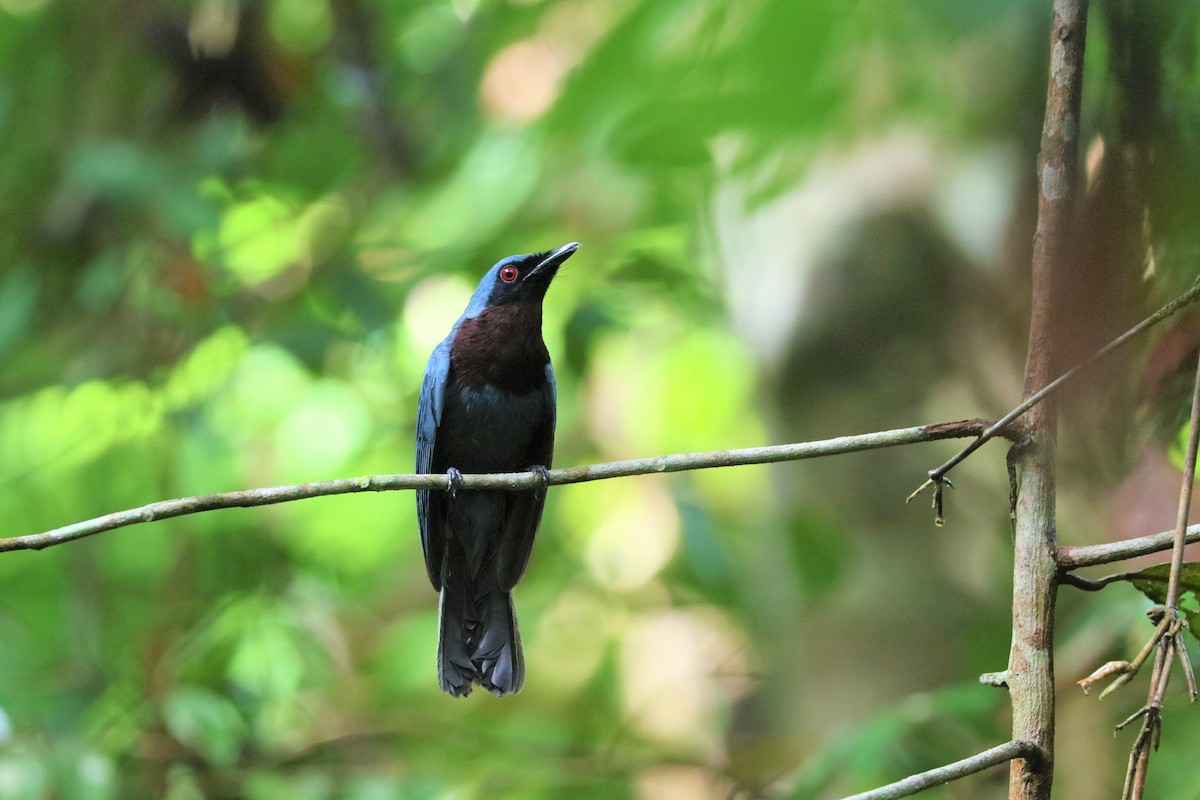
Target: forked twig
point(1150, 734)
point(937, 477)
point(1125, 670)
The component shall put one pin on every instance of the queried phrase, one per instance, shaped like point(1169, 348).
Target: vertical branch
point(1185, 498)
point(1031, 661)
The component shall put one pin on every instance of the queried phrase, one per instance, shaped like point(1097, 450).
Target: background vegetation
point(232, 233)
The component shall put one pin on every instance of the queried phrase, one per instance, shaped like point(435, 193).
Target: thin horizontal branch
point(952, 772)
point(1090, 555)
point(511, 481)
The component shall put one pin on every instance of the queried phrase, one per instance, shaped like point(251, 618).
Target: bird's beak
point(552, 262)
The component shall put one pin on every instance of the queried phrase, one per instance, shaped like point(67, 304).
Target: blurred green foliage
point(233, 231)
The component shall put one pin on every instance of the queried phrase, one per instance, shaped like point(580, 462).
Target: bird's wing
point(525, 509)
point(430, 517)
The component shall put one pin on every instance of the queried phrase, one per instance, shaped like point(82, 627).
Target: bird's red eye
point(508, 274)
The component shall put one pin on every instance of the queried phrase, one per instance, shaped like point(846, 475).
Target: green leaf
point(1153, 582)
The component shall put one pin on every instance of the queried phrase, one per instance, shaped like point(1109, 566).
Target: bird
point(487, 404)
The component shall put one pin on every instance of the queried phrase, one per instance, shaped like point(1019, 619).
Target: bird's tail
point(498, 656)
point(478, 638)
point(456, 671)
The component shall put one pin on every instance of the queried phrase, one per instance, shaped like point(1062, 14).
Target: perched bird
point(487, 405)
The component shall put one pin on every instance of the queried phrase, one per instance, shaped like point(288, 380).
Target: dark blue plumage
point(487, 405)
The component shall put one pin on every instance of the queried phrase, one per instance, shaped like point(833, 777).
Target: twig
point(1070, 558)
point(1186, 662)
point(1185, 497)
point(1088, 584)
point(1125, 670)
point(1139, 756)
point(1151, 730)
point(938, 476)
point(513, 481)
point(952, 772)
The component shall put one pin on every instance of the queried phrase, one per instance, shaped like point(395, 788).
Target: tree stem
point(1035, 573)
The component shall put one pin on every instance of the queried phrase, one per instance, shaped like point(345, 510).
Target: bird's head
point(519, 279)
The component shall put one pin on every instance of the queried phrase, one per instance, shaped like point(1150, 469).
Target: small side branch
point(513, 481)
point(1070, 558)
point(952, 772)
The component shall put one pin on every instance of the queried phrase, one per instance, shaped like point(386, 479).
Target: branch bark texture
point(1035, 569)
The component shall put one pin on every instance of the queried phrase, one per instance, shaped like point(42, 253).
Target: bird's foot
point(454, 482)
point(544, 475)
